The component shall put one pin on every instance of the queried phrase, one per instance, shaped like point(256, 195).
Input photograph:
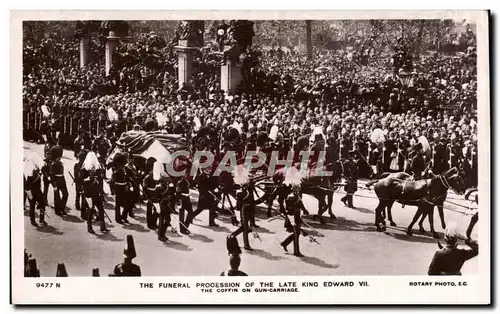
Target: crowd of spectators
point(437, 98)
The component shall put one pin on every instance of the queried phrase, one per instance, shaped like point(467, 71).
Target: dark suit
point(449, 260)
point(127, 270)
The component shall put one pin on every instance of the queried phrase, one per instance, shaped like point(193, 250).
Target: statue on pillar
point(84, 28)
point(190, 33)
point(119, 27)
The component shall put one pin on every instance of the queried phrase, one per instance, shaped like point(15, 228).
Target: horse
point(387, 211)
point(320, 187)
point(405, 176)
point(421, 193)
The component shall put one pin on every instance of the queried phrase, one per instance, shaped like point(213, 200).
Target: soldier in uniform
point(79, 143)
point(351, 169)
point(186, 206)
point(58, 181)
point(33, 183)
point(234, 252)
point(127, 268)
point(208, 189)
point(47, 162)
point(121, 185)
point(448, 261)
point(92, 175)
point(79, 198)
point(418, 162)
point(101, 145)
point(294, 206)
point(245, 205)
point(133, 178)
point(375, 160)
point(159, 193)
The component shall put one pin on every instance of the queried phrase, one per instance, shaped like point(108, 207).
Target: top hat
point(129, 251)
point(61, 270)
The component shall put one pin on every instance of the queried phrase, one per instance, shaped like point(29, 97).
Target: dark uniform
point(186, 206)
point(126, 270)
point(351, 175)
point(158, 192)
point(46, 176)
point(59, 183)
point(33, 184)
point(245, 204)
point(449, 260)
point(92, 182)
point(79, 199)
point(101, 146)
point(418, 165)
point(207, 187)
point(121, 186)
point(133, 178)
point(293, 206)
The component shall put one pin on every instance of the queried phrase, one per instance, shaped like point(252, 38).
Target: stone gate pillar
point(84, 50)
point(111, 43)
point(190, 40)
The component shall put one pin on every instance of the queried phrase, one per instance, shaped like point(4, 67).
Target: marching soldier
point(127, 268)
point(33, 183)
point(79, 198)
point(351, 169)
point(101, 145)
point(183, 195)
point(474, 218)
point(294, 206)
point(47, 162)
point(208, 189)
point(245, 205)
point(92, 176)
point(121, 185)
point(133, 178)
point(58, 181)
point(79, 143)
point(160, 194)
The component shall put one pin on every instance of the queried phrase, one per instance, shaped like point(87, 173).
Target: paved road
point(350, 246)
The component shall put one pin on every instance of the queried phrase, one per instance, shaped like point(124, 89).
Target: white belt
point(117, 183)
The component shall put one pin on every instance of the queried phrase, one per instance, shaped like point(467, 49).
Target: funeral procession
point(250, 148)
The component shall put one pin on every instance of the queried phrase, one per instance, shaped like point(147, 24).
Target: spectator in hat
point(127, 268)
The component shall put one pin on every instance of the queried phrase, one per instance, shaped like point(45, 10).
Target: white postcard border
point(381, 289)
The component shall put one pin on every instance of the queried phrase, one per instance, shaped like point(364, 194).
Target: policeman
point(293, 206)
point(351, 169)
point(186, 206)
point(245, 205)
point(121, 185)
point(450, 259)
point(33, 183)
point(127, 268)
point(58, 181)
point(78, 180)
point(92, 175)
